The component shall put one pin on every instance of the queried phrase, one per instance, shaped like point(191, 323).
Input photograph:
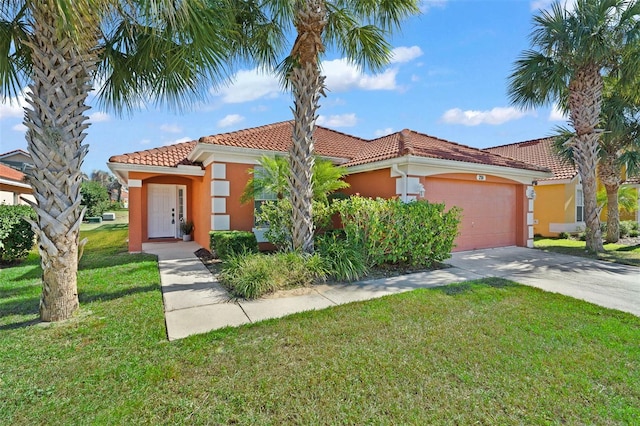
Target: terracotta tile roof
point(539, 152)
point(165, 156)
point(277, 137)
point(11, 173)
point(330, 143)
point(422, 145)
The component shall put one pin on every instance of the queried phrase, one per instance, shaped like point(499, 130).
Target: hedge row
point(16, 235)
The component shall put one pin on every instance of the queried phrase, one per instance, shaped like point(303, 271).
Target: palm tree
point(571, 51)
point(619, 146)
point(274, 175)
point(356, 28)
point(142, 49)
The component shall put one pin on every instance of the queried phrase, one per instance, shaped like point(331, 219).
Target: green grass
point(618, 253)
point(122, 218)
point(488, 352)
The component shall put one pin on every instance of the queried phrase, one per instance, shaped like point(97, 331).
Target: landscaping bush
point(277, 215)
point(344, 259)
point(627, 227)
point(251, 275)
point(414, 234)
point(16, 235)
point(229, 243)
point(95, 197)
point(564, 235)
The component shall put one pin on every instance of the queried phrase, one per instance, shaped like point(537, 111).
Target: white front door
point(162, 211)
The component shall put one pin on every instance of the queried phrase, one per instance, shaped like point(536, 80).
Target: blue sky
point(448, 79)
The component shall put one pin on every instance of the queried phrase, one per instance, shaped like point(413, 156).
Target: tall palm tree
point(142, 49)
point(572, 49)
point(619, 145)
point(357, 29)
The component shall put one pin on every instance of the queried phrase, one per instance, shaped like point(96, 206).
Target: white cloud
point(405, 54)
point(145, 141)
point(249, 85)
point(170, 128)
point(230, 120)
point(13, 107)
point(342, 76)
point(494, 116)
point(180, 140)
point(546, 4)
point(425, 5)
point(557, 115)
point(343, 120)
point(20, 128)
point(99, 116)
point(383, 132)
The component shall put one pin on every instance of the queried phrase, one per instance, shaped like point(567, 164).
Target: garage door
point(488, 211)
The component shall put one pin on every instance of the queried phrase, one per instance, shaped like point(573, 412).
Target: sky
point(448, 79)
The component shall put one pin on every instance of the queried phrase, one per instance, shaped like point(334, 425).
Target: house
point(18, 159)
point(559, 204)
point(202, 180)
point(13, 187)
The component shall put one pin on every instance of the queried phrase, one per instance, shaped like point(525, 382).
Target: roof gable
point(539, 152)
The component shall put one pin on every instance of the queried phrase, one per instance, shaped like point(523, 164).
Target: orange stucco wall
point(201, 208)
point(241, 215)
point(376, 183)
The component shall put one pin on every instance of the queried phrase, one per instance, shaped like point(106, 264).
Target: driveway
point(606, 284)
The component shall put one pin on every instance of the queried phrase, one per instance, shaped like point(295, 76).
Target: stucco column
point(135, 215)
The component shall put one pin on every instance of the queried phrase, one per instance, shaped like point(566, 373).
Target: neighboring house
point(17, 159)
point(13, 187)
point(559, 201)
point(202, 180)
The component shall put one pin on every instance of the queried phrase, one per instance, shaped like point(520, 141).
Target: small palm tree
point(572, 51)
point(156, 50)
point(356, 28)
point(274, 174)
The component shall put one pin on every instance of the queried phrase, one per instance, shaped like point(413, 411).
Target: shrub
point(95, 197)
point(16, 235)
point(626, 227)
point(416, 234)
point(277, 215)
point(344, 259)
point(564, 235)
point(251, 275)
point(228, 243)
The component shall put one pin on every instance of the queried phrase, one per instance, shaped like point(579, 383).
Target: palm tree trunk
point(611, 177)
point(56, 124)
point(307, 85)
point(585, 99)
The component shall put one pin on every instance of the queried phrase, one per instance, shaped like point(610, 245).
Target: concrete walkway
point(195, 303)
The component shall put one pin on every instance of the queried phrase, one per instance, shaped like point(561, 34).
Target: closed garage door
point(488, 211)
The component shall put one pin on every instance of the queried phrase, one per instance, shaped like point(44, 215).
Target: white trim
point(219, 171)
point(220, 188)
point(122, 170)
point(423, 166)
point(567, 227)
point(220, 222)
point(134, 183)
point(15, 183)
point(218, 205)
point(208, 153)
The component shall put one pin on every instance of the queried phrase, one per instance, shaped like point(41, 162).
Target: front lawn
point(488, 352)
point(618, 253)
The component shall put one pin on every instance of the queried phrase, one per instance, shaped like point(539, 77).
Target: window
point(260, 197)
point(579, 205)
